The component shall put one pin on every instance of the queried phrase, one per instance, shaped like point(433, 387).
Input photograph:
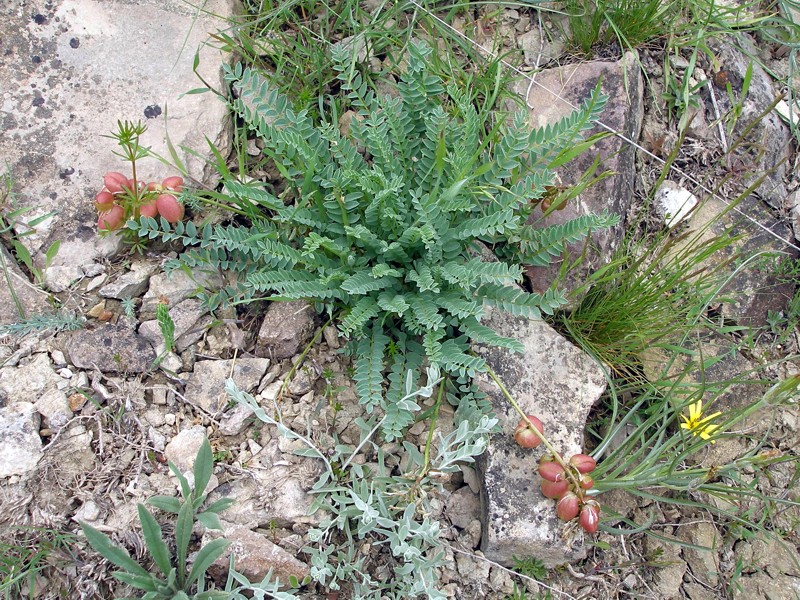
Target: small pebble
point(65, 373)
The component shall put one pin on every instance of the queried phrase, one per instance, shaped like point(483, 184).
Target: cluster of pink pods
point(566, 482)
point(120, 200)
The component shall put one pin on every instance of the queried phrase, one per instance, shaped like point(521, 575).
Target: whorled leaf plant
point(381, 224)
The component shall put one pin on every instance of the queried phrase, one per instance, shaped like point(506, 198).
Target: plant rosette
point(123, 198)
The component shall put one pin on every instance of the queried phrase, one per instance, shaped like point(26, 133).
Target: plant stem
point(434, 416)
point(556, 454)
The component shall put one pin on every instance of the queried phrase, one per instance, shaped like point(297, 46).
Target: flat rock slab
point(111, 349)
point(70, 70)
point(286, 328)
point(206, 386)
point(559, 383)
point(553, 97)
point(20, 444)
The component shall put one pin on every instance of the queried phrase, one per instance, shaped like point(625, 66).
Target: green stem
point(300, 360)
point(434, 416)
point(555, 453)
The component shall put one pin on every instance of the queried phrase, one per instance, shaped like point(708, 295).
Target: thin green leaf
point(153, 540)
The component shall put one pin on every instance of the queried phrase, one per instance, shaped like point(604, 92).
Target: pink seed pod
point(174, 183)
point(568, 506)
point(586, 481)
point(583, 462)
point(149, 210)
point(115, 182)
point(104, 201)
point(590, 516)
point(552, 471)
point(527, 437)
point(554, 489)
point(111, 219)
point(169, 208)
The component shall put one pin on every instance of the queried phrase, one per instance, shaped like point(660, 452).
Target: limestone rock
point(287, 327)
point(254, 555)
point(557, 382)
point(674, 203)
point(669, 576)
point(622, 82)
point(111, 349)
point(754, 291)
point(131, 284)
point(28, 381)
point(206, 386)
point(234, 421)
point(183, 448)
point(20, 444)
point(64, 64)
point(188, 329)
point(704, 564)
point(175, 287)
point(770, 134)
point(463, 506)
point(761, 585)
point(54, 406)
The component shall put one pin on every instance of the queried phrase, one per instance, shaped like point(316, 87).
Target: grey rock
point(58, 278)
point(769, 554)
point(206, 385)
point(770, 134)
point(559, 383)
point(28, 381)
point(255, 555)
point(674, 203)
point(540, 47)
point(175, 287)
point(622, 81)
point(234, 421)
point(753, 291)
point(32, 300)
point(463, 507)
point(185, 315)
point(66, 68)
point(668, 578)
point(131, 284)
point(54, 407)
point(287, 327)
point(761, 585)
point(183, 448)
point(704, 564)
point(303, 381)
point(157, 439)
point(20, 444)
point(88, 511)
point(111, 349)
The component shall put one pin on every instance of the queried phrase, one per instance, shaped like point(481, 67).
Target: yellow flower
point(697, 424)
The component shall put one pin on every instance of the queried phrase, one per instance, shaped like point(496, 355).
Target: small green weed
point(28, 552)
point(175, 581)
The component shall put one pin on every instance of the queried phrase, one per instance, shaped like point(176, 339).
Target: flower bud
point(169, 208)
point(174, 183)
point(554, 489)
point(115, 182)
point(527, 437)
point(590, 516)
point(583, 462)
point(104, 201)
point(568, 506)
point(552, 471)
point(111, 219)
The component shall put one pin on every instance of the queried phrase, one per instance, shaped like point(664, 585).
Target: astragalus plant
point(380, 225)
